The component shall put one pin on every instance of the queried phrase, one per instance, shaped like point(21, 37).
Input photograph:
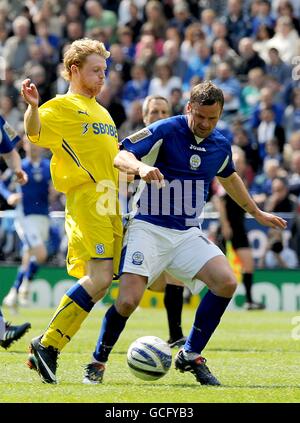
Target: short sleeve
point(142, 142)
point(8, 137)
point(51, 132)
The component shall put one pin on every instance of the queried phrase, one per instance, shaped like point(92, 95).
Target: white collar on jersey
point(198, 139)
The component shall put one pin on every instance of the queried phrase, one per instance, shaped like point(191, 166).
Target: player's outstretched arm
point(235, 187)
point(31, 118)
point(127, 162)
point(13, 161)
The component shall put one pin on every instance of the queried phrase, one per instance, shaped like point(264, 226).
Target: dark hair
point(207, 94)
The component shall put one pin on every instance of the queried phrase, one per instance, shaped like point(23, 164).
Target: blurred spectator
point(147, 31)
point(199, 64)
point(267, 101)
point(146, 53)
point(138, 87)
point(261, 187)
point(237, 23)
point(163, 81)
point(119, 62)
point(294, 175)
point(112, 104)
point(277, 254)
point(126, 40)
point(207, 19)
point(260, 44)
point(98, 17)
point(231, 89)
point(267, 130)
point(9, 112)
point(8, 88)
point(250, 94)
point(125, 11)
point(48, 42)
point(134, 121)
point(176, 102)
point(241, 139)
point(263, 17)
point(16, 48)
point(192, 35)
point(272, 150)
point(179, 66)
point(290, 148)
point(286, 8)
point(285, 40)
point(182, 17)
point(73, 31)
point(223, 53)
point(280, 200)
point(155, 16)
point(250, 58)
point(292, 114)
point(277, 68)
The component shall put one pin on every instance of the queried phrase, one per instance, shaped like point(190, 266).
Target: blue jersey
point(188, 164)
point(35, 192)
point(8, 137)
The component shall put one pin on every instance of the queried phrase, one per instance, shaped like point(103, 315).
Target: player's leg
point(11, 299)
point(131, 290)
point(72, 310)
point(173, 301)
point(246, 258)
point(215, 271)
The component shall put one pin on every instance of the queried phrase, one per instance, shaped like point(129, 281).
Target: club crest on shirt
point(137, 258)
point(140, 135)
point(99, 249)
point(195, 162)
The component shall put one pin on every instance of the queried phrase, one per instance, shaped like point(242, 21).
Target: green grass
point(252, 353)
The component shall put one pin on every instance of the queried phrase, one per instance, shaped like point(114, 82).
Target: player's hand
point(269, 219)
point(30, 93)
point(14, 199)
point(21, 177)
point(150, 173)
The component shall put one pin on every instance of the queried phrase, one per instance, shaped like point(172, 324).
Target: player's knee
point(127, 305)
point(228, 287)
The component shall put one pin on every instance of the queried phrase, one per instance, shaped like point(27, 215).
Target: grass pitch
point(252, 354)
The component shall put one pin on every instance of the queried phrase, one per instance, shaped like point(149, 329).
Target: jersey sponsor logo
point(104, 128)
point(194, 147)
point(137, 258)
point(83, 112)
point(85, 128)
point(195, 162)
point(100, 249)
point(140, 135)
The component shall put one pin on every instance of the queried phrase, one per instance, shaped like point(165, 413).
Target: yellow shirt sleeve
point(51, 132)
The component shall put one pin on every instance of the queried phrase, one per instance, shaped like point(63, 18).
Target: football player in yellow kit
point(83, 139)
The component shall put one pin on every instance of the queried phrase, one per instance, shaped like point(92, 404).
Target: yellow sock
point(68, 315)
point(72, 330)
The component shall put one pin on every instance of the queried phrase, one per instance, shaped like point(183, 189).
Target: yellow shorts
point(90, 235)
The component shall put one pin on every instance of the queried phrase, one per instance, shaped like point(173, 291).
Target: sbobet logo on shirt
point(103, 128)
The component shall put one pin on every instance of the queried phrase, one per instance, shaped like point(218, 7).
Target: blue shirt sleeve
point(227, 168)
point(8, 137)
point(140, 143)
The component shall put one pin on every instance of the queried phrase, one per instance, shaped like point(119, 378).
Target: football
point(149, 358)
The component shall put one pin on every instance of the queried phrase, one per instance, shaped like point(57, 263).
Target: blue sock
point(112, 326)
point(208, 316)
point(19, 279)
point(80, 296)
point(33, 267)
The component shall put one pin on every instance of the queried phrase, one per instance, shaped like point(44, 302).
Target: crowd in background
point(250, 49)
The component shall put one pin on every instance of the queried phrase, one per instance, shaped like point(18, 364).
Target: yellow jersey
point(83, 139)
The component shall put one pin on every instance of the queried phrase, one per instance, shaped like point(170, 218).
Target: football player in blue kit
point(176, 159)
point(8, 141)
point(32, 223)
